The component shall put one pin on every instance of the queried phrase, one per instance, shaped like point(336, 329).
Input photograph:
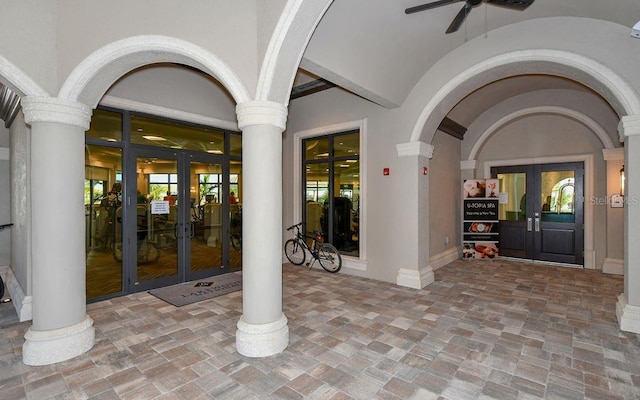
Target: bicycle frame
point(325, 253)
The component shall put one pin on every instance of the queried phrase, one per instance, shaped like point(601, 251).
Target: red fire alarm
point(425, 170)
point(385, 171)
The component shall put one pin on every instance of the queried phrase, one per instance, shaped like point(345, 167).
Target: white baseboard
point(441, 259)
point(628, 315)
point(20, 301)
point(416, 279)
point(613, 266)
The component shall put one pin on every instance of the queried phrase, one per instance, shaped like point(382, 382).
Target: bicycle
point(325, 253)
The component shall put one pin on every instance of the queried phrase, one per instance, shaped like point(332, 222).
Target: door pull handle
point(537, 224)
point(529, 223)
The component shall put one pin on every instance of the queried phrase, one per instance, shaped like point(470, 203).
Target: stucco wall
point(444, 194)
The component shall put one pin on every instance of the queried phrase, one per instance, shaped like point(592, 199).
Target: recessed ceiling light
point(154, 138)
point(216, 151)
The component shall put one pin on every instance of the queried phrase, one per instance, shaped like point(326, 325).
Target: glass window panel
point(317, 178)
point(346, 183)
point(102, 209)
point(557, 197)
point(316, 148)
point(514, 186)
point(105, 125)
point(346, 145)
point(152, 132)
point(235, 145)
point(235, 218)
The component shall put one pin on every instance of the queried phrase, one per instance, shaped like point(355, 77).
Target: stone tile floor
point(482, 330)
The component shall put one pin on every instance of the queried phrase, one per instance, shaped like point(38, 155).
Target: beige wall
point(444, 194)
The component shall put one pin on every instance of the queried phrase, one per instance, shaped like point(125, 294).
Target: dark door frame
point(524, 238)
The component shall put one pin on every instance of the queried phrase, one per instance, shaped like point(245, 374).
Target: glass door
point(154, 223)
point(207, 245)
point(541, 214)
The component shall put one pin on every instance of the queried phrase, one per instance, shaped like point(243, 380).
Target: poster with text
point(480, 219)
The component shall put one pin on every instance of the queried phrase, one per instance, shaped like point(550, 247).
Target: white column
point(628, 306)
point(262, 329)
point(60, 328)
point(418, 273)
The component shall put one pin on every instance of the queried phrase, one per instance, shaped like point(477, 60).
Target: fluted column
point(262, 329)
point(61, 328)
point(628, 306)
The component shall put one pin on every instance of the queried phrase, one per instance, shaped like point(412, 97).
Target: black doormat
point(204, 289)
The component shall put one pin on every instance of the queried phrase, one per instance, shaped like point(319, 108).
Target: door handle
point(176, 231)
point(529, 223)
point(537, 224)
point(192, 229)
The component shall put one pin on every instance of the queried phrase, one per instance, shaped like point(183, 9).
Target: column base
point(57, 345)
point(628, 315)
point(415, 279)
point(262, 340)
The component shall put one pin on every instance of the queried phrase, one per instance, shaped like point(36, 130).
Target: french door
point(541, 212)
point(175, 218)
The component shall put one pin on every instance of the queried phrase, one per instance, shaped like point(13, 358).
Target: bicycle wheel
point(294, 252)
point(329, 257)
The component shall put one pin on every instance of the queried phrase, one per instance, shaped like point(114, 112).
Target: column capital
point(613, 154)
point(256, 112)
point(53, 109)
point(414, 149)
point(629, 125)
point(468, 164)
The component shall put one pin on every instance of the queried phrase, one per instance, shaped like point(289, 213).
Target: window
point(331, 179)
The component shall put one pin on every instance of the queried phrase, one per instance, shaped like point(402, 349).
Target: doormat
point(204, 289)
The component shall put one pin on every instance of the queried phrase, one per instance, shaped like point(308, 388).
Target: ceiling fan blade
point(459, 18)
point(513, 4)
point(429, 6)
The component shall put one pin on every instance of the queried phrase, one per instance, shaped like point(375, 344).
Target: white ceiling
point(360, 43)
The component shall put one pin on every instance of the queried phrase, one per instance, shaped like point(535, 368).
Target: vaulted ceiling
point(360, 43)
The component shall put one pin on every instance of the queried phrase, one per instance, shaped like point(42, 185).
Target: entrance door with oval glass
point(541, 211)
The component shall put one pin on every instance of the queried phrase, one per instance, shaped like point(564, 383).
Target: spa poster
point(480, 219)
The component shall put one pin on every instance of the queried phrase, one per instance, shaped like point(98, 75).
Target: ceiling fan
point(468, 5)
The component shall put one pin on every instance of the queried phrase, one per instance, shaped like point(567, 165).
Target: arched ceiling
point(375, 50)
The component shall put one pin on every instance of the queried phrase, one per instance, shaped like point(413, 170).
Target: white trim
point(628, 315)
point(131, 105)
point(613, 266)
point(589, 185)
point(613, 154)
point(620, 89)
point(361, 125)
point(18, 81)
point(90, 79)
point(415, 279)
point(415, 149)
point(468, 164)
point(578, 116)
point(21, 302)
point(446, 257)
point(259, 112)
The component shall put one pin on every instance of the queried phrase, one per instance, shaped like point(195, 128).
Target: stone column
point(614, 258)
point(61, 328)
point(262, 329)
point(419, 272)
point(628, 306)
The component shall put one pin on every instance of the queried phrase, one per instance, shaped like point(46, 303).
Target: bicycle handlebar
point(294, 226)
